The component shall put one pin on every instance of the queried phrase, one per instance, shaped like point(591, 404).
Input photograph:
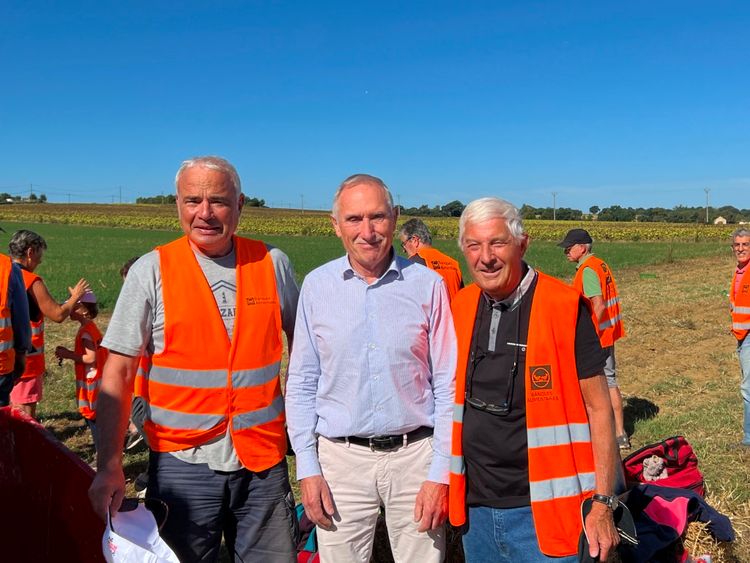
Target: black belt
point(384, 443)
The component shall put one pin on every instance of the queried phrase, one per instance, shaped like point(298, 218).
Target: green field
point(676, 365)
point(97, 253)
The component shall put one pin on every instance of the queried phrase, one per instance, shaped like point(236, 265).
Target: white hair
point(212, 163)
point(488, 208)
point(357, 179)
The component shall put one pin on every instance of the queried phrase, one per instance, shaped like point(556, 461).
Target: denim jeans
point(504, 535)
point(254, 511)
point(744, 353)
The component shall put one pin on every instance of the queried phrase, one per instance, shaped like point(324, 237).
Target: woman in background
point(27, 249)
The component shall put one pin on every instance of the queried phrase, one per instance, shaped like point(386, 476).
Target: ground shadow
point(637, 408)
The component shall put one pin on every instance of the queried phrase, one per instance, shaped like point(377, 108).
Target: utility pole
point(708, 191)
point(302, 202)
point(68, 198)
point(31, 190)
point(554, 206)
point(120, 193)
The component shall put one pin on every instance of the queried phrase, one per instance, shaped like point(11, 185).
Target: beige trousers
point(361, 481)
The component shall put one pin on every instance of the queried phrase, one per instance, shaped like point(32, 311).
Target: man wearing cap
point(207, 311)
point(416, 241)
point(370, 388)
point(532, 426)
point(739, 299)
point(595, 280)
point(15, 327)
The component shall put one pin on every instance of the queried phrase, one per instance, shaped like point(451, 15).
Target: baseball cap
point(88, 297)
point(576, 236)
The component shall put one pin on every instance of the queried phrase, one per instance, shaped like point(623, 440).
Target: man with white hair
point(205, 314)
point(739, 299)
point(533, 432)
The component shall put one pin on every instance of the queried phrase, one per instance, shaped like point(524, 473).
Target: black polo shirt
point(495, 447)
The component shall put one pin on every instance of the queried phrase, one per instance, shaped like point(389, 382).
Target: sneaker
point(623, 442)
point(133, 440)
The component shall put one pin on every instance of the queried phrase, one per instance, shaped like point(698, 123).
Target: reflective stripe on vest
point(610, 328)
point(7, 352)
point(87, 388)
point(35, 364)
point(201, 384)
point(740, 305)
point(561, 464)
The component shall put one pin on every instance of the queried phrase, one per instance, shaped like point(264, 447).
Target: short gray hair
point(488, 208)
point(741, 232)
point(22, 240)
point(416, 228)
point(212, 163)
point(357, 179)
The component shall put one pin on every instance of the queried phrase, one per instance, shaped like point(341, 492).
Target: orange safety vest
point(560, 454)
point(35, 359)
point(610, 327)
point(201, 383)
point(87, 383)
point(740, 305)
point(139, 384)
point(7, 351)
point(445, 266)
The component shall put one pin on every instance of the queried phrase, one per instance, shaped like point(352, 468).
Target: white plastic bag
point(136, 539)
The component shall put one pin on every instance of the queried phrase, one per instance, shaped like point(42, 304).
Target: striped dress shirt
point(370, 360)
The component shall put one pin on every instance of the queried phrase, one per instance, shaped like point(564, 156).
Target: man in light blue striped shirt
point(370, 388)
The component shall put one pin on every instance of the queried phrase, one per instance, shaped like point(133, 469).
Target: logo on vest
point(541, 388)
point(435, 265)
point(541, 377)
point(261, 300)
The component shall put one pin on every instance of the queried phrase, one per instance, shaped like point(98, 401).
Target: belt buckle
point(382, 443)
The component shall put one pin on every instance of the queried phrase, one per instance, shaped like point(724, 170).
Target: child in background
point(89, 358)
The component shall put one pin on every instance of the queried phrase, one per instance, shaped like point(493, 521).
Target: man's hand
point(107, 491)
point(431, 508)
point(600, 531)
point(317, 500)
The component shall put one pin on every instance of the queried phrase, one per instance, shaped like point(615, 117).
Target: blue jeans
point(504, 535)
point(744, 353)
point(254, 511)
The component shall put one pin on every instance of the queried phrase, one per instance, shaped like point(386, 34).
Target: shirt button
point(372, 346)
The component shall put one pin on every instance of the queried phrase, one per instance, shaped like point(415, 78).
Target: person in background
point(595, 280)
point(27, 250)
point(209, 310)
point(533, 432)
point(739, 300)
point(370, 387)
point(15, 329)
point(88, 357)
point(416, 241)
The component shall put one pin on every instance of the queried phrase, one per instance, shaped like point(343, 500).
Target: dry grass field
point(677, 370)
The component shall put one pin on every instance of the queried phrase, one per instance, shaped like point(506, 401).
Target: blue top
point(19, 310)
point(369, 360)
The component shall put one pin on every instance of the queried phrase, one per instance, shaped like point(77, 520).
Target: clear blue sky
point(630, 103)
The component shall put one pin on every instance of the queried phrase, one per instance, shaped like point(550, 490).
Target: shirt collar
point(510, 302)
point(347, 272)
point(582, 259)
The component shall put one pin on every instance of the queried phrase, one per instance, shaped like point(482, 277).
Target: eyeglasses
point(403, 243)
point(503, 409)
point(736, 245)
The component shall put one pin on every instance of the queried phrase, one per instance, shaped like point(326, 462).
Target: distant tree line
point(451, 209)
point(33, 198)
point(678, 214)
point(171, 198)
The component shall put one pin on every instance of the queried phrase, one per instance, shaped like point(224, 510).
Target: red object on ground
point(44, 503)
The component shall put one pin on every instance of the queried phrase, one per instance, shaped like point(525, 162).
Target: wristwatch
point(611, 502)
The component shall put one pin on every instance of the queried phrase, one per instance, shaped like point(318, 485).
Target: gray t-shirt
point(137, 325)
